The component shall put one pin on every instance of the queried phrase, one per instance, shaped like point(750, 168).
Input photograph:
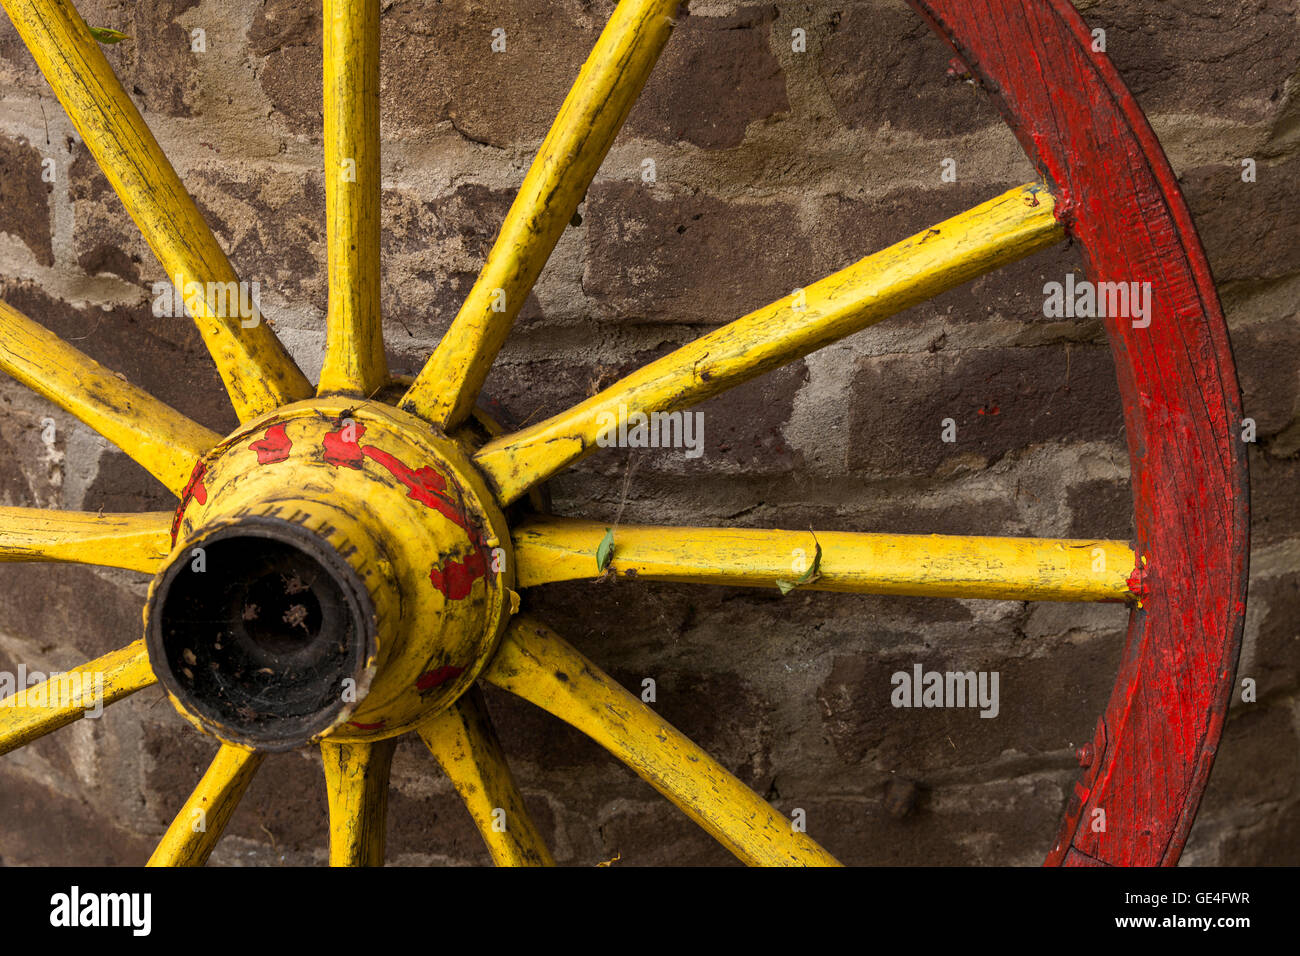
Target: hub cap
point(339, 570)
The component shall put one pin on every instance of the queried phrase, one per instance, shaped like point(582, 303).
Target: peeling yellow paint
point(356, 783)
point(136, 542)
point(35, 711)
point(957, 250)
point(958, 566)
point(162, 440)
point(537, 665)
point(257, 371)
point(354, 348)
point(607, 86)
point(194, 832)
point(462, 740)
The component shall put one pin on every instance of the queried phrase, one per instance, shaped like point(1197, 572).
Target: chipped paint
point(272, 447)
point(1119, 200)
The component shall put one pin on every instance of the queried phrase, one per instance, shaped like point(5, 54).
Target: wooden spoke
point(356, 782)
point(957, 250)
point(194, 833)
point(137, 542)
point(33, 712)
point(354, 347)
point(257, 371)
point(462, 740)
point(609, 83)
point(161, 439)
point(536, 664)
point(933, 565)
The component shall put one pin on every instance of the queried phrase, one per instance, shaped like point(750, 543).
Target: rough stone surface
point(26, 212)
point(773, 168)
point(716, 77)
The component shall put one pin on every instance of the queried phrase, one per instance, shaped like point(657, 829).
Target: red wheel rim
point(1117, 196)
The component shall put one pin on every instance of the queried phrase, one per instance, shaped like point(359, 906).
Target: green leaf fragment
point(808, 577)
point(106, 35)
point(815, 569)
point(605, 552)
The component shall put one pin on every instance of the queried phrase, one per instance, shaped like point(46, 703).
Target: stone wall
point(773, 168)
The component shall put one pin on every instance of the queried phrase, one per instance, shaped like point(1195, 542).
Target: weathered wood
point(137, 542)
point(162, 440)
point(194, 833)
point(354, 346)
point(1108, 186)
point(536, 664)
point(930, 565)
point(602, 96)
point(463, 742)
point(258, 373)
point(356, 785)
point(989, 236)
point(1119, 198)
point(35, 711)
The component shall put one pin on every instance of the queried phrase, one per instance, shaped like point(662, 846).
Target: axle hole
point(262, 636)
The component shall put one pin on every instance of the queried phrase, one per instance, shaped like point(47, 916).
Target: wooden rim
point(1117, 195)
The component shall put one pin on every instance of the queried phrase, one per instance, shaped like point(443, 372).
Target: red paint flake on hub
point(340, 451)
point(426, 485)
point(273, 447)
point(361, 726)
point(456, 578)
point(194, 489)
point(437, 677)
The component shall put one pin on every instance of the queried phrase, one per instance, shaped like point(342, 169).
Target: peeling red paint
point(456, 578)
point(195, 490)
point(273, 446)
point(340, 451)
point(1138, 581)
point(360, 726)
point(437, 677)
point(1118, 199)
point(425, 485)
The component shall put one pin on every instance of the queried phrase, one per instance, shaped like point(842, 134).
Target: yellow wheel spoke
point(462, 740)
point(161, 439)
point(356, 782)
point(608, 85)
point(190, 839)
point(933, 565)
point(33, 712)
point(536, 664)
point(258, 373)
point(957, 250)
point(354, 348)
point(137, 542)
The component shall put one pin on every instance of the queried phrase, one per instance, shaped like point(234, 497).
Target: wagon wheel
point(340, 570)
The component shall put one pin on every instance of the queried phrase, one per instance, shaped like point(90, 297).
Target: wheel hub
point(339, 570)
